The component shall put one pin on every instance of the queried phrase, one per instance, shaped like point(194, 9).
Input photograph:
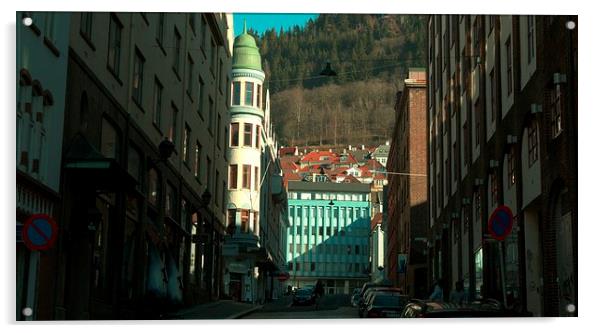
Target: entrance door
point(533, 263)
point(236, 286)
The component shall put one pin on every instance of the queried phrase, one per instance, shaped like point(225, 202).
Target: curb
point(245, 312)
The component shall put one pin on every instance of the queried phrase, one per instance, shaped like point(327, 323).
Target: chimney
point(363, 147)
point(387, 143)
point(349, 147)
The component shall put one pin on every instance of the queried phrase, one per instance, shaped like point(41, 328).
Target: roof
point(328, 187)
point(288, 165)
point(246, 54)
point(382, 150)
point(350, 179)
point(284, 151)
point(316, 156)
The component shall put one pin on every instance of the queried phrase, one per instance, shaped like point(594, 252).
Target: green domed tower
point(246, 52)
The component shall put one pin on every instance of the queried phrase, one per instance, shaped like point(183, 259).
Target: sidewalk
point(222, 309)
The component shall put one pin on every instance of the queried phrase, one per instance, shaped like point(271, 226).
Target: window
point(445, 50)
point(190, 68)
point(476, 39)
point(207, 178)
point(210, 120)
point(185, 152)
point(246, 176)
point(216, 188)
point(236, 93)
point(492, 94)
point(511, 167)
point(157, 96)
point(248, 134)
point(465, 71)
point(494, 189)
point(244, 221)
point(219, 75)
point(134, 164)
point(201, 95)
point(447, 176)
point(477, 116)
point(509, 66)
point(530, 38)
point(466, 143)
point(170, 201)
point(172, 135)
point(313, 266)
point(532, 143)
point(86, 25)
point(197, 161)
point(153, 187)
point(114, 45)
point(219, 132)
point(249, 93)
point(192, 21)
point(109, 145)
point(256, 178)
point(259, 101)
point(556, 111)
point(212, 57)
point(138, 78)
point(231, 218)
point(257, 136)
point(234, 127)
point(233, 176)
point(159, 31)
point(176, 53)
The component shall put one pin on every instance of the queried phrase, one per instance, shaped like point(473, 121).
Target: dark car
point(363, 300)
point(431, 309)
point(303, 296)
point(385, 305)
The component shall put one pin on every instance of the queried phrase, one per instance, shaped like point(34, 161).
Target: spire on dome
point(244, 30)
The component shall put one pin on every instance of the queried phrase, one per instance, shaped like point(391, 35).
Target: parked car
point(430, 309)
point(304, 296)
point(385, 305)
point(363, 300)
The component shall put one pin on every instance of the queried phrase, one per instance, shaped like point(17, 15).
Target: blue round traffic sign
point(500, 222)
point(39, 232)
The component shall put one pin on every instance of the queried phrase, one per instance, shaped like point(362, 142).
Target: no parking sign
point(39, 232)
point(500, 222)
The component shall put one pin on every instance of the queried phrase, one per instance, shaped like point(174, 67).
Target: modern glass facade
point(329, 234)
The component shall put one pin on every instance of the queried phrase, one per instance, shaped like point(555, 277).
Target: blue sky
point(263, 22)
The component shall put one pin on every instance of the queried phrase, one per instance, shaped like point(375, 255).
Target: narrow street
point(329, 307)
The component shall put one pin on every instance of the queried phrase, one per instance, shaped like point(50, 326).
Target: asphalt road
point(328, 307)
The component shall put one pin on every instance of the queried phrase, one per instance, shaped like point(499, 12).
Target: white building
point(242, 249)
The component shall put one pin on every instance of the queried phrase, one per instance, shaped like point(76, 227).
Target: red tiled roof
point(287, 151)
point(380, 176)
point(288, 165)
point(315, 156)
point(350, 179)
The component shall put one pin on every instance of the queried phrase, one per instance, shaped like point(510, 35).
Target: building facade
point(143, 202)
point(41, 80)
point(242, 249)
point(407, 194)
point(328, 235)
point(502, 122)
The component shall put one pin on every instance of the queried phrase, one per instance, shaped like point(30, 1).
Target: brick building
point(407, 211)
point(502, 126)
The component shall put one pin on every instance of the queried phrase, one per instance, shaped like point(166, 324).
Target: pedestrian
point(437, 294)
point(458, 295)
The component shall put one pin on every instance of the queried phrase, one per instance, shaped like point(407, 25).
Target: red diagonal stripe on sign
point(33, 225)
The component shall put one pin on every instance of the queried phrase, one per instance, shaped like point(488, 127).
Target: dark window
point(556, 104)
point(207, 177)
point(153, 187)
point(530, 38)
point(244, 221)
point(185, 149)
point(256, 178)
point(138, 77)
point(86, 25)
point(236, 93)
point(219, 132)
point(532, 143)
point(190, 70)
point(248, 135)
point(494, 189)
point(257, 136)
point(176, 52)
point(466, 143)
point(233, 176)
point(201, 95)
point(197, 162)
point(246, 176)
point(210, 120)
point(234, 129)
point(170, 201)
point(216, 188)
point(476, 39)
point(232, 218)
point(157, 96)
point(477, 116)
point(249, 93)
point(511, 167)
point(508, 66)
point(259, 101)
point(493, 94)
point(173, 127)
point(160, 25)
point(114, 45)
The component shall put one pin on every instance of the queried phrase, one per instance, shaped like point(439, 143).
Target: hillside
point(369, 52)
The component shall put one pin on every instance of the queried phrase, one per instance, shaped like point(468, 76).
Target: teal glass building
point(328, 237)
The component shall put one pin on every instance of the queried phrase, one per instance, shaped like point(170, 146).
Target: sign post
point(500, 226)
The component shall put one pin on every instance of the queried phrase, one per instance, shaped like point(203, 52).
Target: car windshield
point(303, 292)
point(387, 300)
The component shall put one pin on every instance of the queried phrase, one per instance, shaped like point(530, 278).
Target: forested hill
point(369, 53)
